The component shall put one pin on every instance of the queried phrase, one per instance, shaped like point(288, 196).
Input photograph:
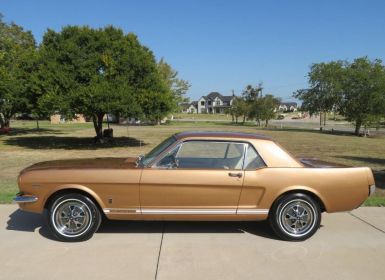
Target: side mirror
point(140, 157)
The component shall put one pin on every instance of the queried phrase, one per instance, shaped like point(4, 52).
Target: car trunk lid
point(317, 163)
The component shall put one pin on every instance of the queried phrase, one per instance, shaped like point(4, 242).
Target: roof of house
point(227, 97)
point(289, 104)
point(214, 94)
point(220, 134)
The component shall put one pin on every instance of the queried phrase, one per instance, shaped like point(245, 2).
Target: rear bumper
point(372, 189)
point(24, 198)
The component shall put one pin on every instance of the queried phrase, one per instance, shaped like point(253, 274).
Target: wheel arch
point(64, 189)
point(304, 190)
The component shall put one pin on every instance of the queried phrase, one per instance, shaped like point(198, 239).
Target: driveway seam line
point(362, 220)
point(160, 251)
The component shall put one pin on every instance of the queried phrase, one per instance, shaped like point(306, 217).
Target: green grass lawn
point(26, 145)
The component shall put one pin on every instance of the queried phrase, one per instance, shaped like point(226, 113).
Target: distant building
point(190, 108)
point(288, 106)
point(213, 103)
point(57, 118)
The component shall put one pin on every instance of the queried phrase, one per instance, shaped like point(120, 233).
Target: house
point(190, 108)
point(214, 103)
point(288, 106)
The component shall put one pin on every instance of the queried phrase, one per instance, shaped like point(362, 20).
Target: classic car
point(194, 176)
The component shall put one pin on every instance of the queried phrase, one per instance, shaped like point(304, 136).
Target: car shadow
point(30, 222)
point(260, 228)
point(25, 221)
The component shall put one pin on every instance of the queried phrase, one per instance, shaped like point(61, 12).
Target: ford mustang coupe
point(194, 176)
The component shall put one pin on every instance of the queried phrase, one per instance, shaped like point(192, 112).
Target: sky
point(226, 45)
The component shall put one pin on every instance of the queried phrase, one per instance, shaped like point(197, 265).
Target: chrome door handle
point(232, 174)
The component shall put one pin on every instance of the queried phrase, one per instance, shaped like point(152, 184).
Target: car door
point(254, 184)
point(195, 177)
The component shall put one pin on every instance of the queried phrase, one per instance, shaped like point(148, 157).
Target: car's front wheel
point(295, 217)
point(73, 217)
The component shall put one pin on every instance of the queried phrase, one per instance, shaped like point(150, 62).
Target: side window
point(234, 151)
point(202, 149)
point(253, 159)
point(206, 155)
point(169, 160)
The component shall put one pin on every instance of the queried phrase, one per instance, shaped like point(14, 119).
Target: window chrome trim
point(178, 146)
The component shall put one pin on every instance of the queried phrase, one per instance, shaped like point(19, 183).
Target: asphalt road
point(347, 246)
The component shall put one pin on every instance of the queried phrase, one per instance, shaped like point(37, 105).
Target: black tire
point(73, 217)
point(295, 217)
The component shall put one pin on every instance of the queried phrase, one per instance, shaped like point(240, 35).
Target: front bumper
point(24, 198)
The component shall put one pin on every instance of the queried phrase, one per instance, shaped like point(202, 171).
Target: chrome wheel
point(297, 217)
point(71, 217)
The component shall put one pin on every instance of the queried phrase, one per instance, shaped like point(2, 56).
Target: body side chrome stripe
point(189, 211)
point(253, 211)
point(122, 210)
point(159, 211)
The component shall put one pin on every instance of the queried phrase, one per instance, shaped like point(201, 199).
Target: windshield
point(157, 151)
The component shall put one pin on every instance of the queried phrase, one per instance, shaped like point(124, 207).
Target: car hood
point(84, 163)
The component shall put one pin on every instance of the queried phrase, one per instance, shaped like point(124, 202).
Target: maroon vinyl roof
point(221, 134)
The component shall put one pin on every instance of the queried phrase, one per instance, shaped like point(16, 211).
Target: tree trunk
point(358, 126)
point(97, 119)
point(236, 119)
point(5, 122)
point(244, 119)
point(325, 118)
point(320, 119)
point(266, 123)
point(37, 124)
point(2, 121)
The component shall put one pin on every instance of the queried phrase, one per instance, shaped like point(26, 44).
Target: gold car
point(194, 176)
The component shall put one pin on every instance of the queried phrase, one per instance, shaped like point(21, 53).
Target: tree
point(17, 52)
point(175, 85)
point(325, 91)
point(239, 108)
point(251, 93)
point(356, 90)
point(268, 107)
point(364, 92)
point(99, 71)
point(256, 110)
point(253, 105)
point(263, 108)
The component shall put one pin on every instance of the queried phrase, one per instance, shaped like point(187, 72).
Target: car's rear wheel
point(295, 217)
point(73, 217)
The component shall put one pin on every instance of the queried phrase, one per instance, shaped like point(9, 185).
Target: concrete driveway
point(347, 246)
